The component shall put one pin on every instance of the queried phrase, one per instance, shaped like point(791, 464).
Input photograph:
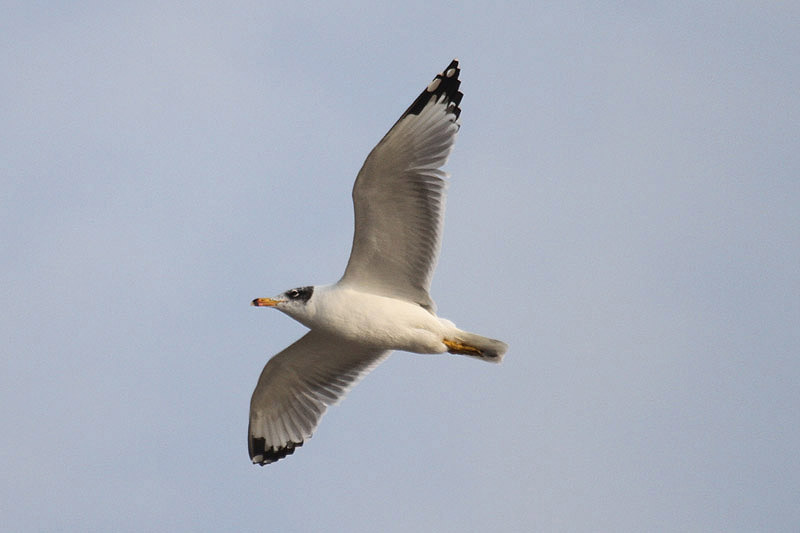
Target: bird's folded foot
point(457, 347)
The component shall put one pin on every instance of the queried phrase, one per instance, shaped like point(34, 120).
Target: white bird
point(381, 303)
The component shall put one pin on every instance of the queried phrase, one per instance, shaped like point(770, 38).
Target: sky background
point(624, 211)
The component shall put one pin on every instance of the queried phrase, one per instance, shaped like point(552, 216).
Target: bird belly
point(379, 321)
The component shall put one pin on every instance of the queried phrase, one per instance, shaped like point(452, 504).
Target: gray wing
point(296, 387)
point(399, 197)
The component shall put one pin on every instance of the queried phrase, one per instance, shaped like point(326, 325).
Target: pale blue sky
point(624, 211)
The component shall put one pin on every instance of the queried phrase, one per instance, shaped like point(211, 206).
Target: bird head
point(292, 302)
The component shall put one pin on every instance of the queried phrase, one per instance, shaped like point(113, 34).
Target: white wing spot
point(450, 72)
point(434, 84)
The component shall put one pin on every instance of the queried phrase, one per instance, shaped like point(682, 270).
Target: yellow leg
point(460, 348)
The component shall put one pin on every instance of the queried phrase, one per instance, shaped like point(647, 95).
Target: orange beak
point(264, 302)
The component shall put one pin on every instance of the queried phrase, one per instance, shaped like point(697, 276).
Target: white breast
point(378, 321)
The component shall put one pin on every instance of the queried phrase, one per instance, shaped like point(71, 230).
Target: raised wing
point(399, 197)
point(296, 387)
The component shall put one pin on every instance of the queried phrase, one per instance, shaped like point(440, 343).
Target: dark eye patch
point(301, 293)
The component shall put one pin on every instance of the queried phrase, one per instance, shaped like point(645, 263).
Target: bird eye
point(302, 294)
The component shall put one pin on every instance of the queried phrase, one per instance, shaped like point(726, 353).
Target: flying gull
point(381, 303)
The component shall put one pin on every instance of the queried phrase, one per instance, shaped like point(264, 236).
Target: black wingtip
point(260, 455)
point(445, 83)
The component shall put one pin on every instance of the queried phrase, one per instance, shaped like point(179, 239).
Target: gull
point(381, 303)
